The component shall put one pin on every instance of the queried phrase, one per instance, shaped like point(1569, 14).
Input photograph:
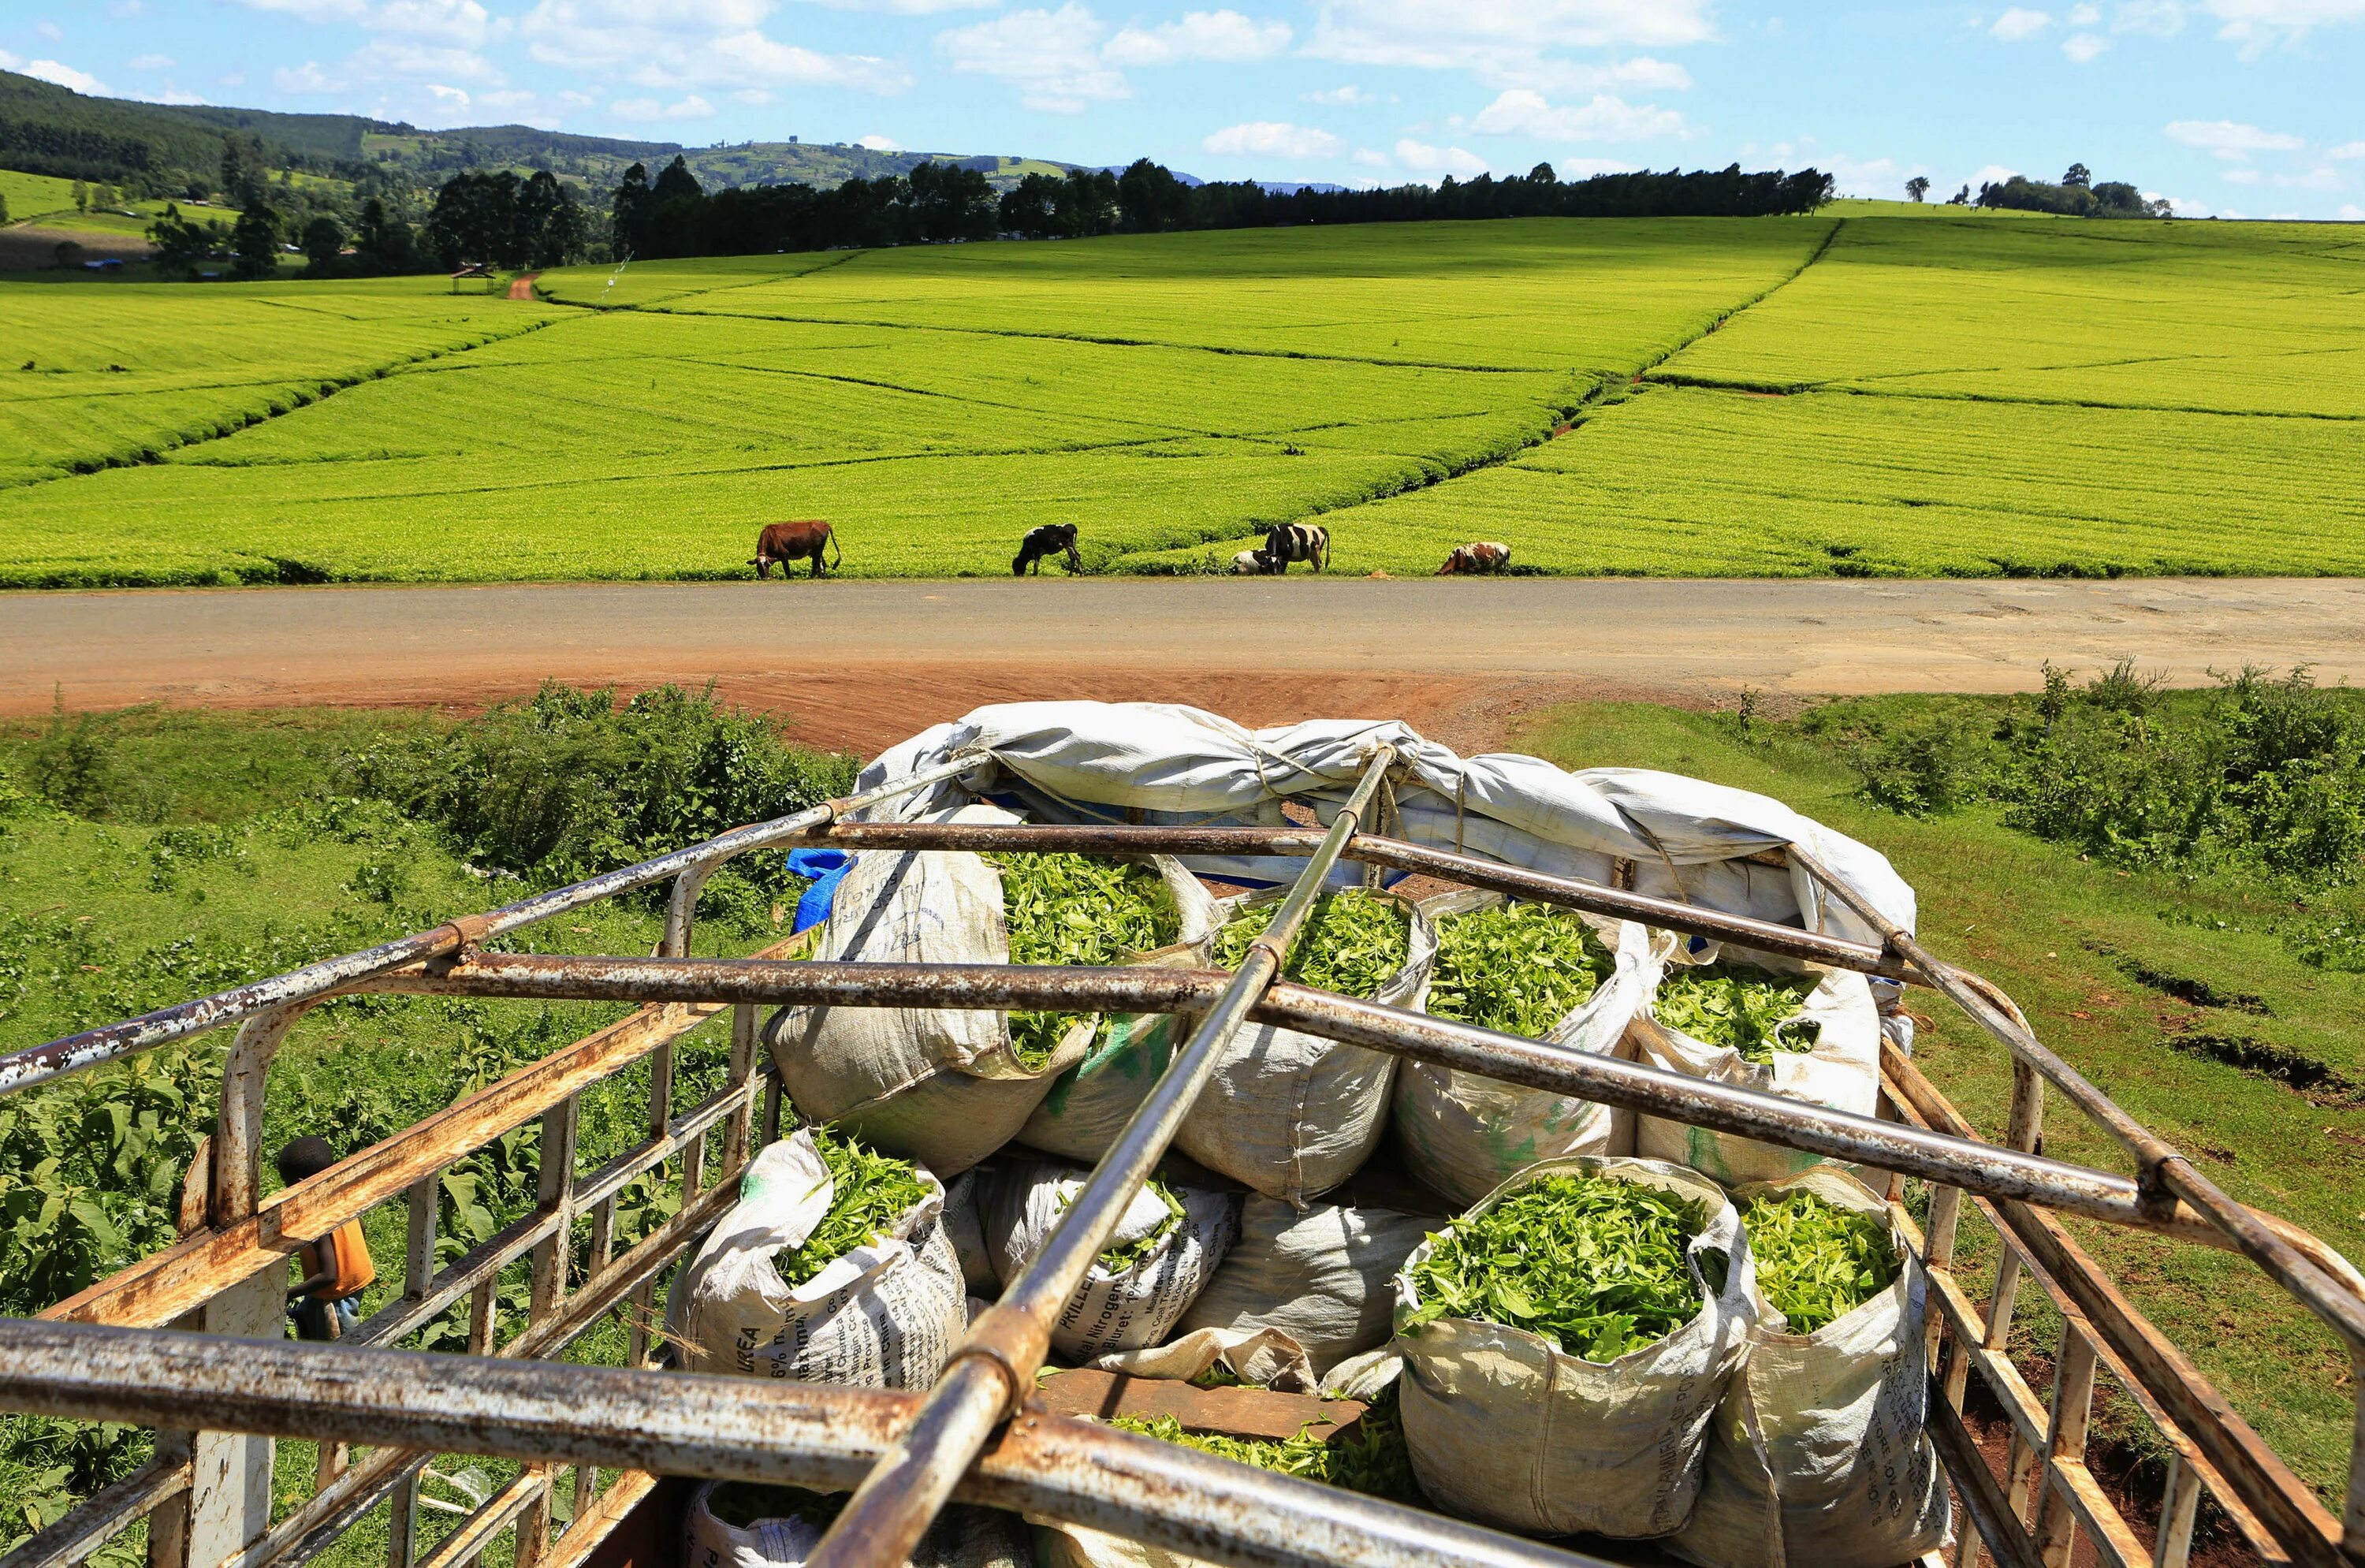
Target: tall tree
point(2077, 176)
point(81, 196)
point(1151, 198)
point(1918, 186)
point(630, 212)
point(324, 245)
point(181, 244)
point(254, 242)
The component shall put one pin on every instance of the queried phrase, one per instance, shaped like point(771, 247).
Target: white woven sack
point(1820, 1456)
point(1025, 1203)
point(1263, 1358)
point(1321, 1276)
point(938, 1085)
point(1506, 1428)
point(1294, 1115)
point(886, 1314)
point(1465, 1135)
point(961, 1537)
point(1842, 1072)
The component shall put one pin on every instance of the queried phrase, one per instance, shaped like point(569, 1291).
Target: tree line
point(2077, 196)
point(674, 215)
point(502, 220)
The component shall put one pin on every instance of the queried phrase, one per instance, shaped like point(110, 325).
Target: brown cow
point(787, 541)
point(1481, 559)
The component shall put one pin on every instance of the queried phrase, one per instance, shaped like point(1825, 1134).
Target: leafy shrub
point(569, 783)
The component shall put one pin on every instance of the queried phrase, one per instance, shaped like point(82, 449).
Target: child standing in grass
point(337, 1268)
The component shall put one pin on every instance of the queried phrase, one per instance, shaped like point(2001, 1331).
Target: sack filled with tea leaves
point(1565, 1343)
point(1569, 980)
point(1758, 1021)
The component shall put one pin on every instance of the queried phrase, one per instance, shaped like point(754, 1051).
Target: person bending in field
point(337, 1268)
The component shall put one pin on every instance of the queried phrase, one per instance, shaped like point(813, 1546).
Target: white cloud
point(1348, 96)
point(2084, 48)
point(1273, 139)
point(695, 43)
point(1427, 160)
point(2158, 18)
point(2349, 212)
point(1518, 112)
point(1053, 58)
point(2179, 205)
point(1993, 175)
point(2230, 139)
point(1369, 157)
point(2255, 24)
point(460, 23)
point(2242, 177)
point(2348, 150)
point(171, 94)
point(63, 75)
point(152, 63)
point(50, 31)
point(757, 95)
point(1222, 36)
point(1878, 177)
point(1566, 78)
point(407, 60)
point(878, 143)
point(689, 107)
point(2084, 16)
point(2019, 23)
point(1505, 41)
point(306, 78)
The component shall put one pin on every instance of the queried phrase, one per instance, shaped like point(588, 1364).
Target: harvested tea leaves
point(870, 1191)
point(1072, 909)
point(1351, 943)
point(1124, 1255)
point(1749, 1010)
point(1816, 1261)
point(1370, 1459)
point(742, 1504)
point(1519, 968)
point(1593, 1262)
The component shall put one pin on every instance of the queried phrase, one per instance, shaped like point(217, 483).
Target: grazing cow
point(1298, 542)
point(1481, 559)
point(787, 541)
point(1254, 563)
point(1049, 539)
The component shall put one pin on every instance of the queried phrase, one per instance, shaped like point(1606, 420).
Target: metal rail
point(110, 1042)
point(1200, 1506)
point(992, 1373)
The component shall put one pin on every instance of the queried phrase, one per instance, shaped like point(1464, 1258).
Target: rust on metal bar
point(1236, 1412)
point(110, 1042)
point(993, 1370)
point(811, 1435)
point(2286, 1512)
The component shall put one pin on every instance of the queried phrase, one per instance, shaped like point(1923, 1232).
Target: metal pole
point(1990, 1169)
point(1538, 887)
point(992, 1373)
point(2163, 1175)
point(814, 1435)
point(110, 1042)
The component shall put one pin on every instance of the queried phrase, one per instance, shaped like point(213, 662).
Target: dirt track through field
point(862, 664)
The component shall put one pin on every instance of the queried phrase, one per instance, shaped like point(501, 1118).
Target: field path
point(860, 664)
point(522, 285)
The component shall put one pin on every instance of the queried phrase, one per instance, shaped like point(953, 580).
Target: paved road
point(859, 658)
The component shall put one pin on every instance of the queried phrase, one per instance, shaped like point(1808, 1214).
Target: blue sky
point(2241, 107)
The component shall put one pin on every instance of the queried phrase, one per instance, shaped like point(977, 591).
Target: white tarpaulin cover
point(1157, 763)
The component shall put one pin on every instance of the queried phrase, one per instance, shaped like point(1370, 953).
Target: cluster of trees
point(2076, 197)
point(673, 216)
point(504, 221)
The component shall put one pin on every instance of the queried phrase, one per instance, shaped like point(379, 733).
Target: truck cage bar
point(119, 1350)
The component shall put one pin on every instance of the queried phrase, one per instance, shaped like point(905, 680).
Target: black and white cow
point(1298, 542)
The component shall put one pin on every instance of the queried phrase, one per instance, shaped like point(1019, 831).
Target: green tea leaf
point(1593, 1262)
point(868, 1194)
point(1519, 968)
point(1372, 1459)
point(1746, 1009)
point(1816, 1261)
point(1072, 909)
point(1351, 942)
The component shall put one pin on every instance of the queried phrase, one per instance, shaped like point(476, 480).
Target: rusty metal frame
point(1064, 1469)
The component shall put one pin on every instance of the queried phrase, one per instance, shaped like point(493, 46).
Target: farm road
point(862, 664)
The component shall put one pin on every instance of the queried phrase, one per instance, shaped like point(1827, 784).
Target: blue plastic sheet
point(826, 868)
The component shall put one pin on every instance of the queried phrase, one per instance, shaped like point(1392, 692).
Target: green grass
point(34, 195)
point(1973, 394)
point(2036, 918)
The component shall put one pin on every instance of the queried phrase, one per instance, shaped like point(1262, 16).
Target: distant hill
point(49, 129)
